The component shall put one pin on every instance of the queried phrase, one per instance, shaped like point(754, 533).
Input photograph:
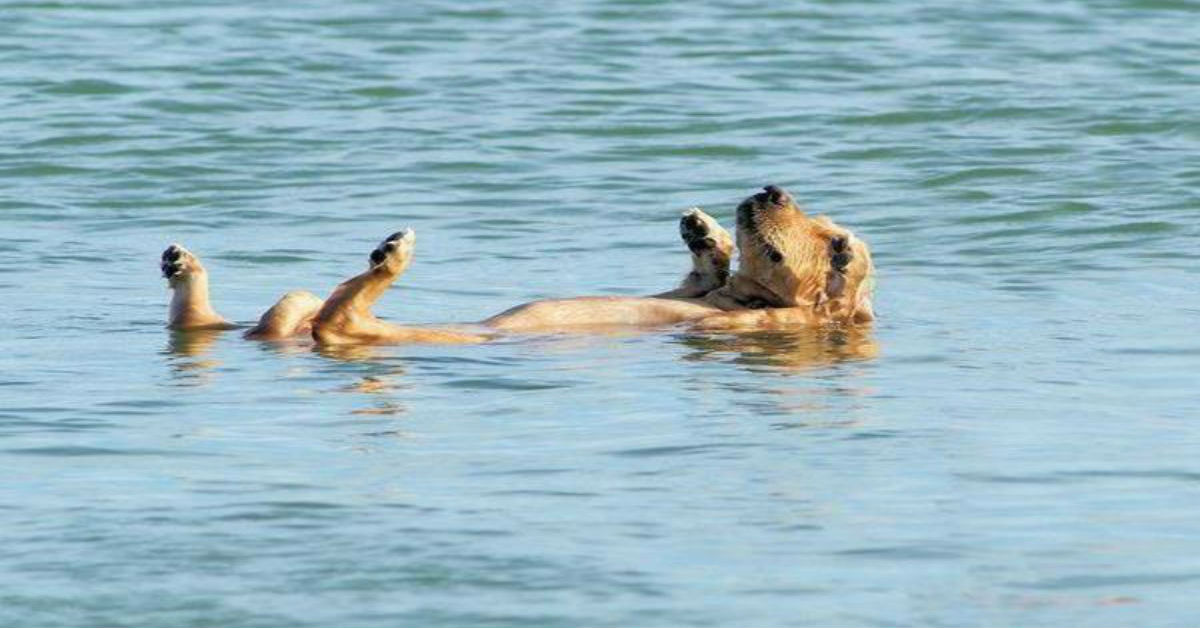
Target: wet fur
point(793, 269)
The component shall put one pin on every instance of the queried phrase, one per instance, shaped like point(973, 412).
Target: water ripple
point(1012, 443)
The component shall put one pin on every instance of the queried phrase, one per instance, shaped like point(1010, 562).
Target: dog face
point(789, 259)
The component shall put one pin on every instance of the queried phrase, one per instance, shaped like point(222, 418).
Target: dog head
point(787, 258)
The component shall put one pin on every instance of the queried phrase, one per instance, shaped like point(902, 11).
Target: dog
point(793, 270)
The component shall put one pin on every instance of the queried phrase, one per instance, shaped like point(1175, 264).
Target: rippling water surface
point(1014, 443)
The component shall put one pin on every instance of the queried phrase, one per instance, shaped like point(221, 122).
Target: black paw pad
point(396, 236)
point(841, 255)
point(377, 256)
point(170, 265)
point(692, 226)
point(695, 233)
point(699, 245)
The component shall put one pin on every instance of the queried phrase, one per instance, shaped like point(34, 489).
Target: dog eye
point(775, 256)
point(838, 244)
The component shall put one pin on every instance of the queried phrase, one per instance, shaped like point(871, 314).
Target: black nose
point(775, 194)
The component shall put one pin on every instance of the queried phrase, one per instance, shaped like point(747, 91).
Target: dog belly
point(585, 312)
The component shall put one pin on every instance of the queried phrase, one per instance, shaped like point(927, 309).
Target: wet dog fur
point(793, 269)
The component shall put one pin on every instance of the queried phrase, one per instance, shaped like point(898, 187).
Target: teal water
point(1014, 443)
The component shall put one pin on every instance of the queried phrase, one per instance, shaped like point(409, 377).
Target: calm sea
point(1016, 441)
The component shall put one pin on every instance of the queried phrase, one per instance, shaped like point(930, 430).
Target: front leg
point(712, 250)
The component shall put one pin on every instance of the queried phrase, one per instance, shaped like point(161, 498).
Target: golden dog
point(793, 269)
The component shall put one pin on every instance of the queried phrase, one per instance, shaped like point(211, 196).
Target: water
point(1014, 443)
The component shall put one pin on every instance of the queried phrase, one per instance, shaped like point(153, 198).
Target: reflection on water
point(373, 384)
point(287, 346)
point(189, 358)
point(795, 350)
point(349, 353)
point(193, 343)
point(378, 385)
point(817, 395)
point(380, 390)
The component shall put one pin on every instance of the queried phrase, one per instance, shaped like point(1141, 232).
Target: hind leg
point(346, 317)
point(188, 280)
point(291, 316)
point(712, 250)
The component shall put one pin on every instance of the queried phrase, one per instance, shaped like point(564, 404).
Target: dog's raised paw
point(711, 247)
point(701, 233)
point(394, 253)
point(840, 255)
point(694, 230)
point(177, 261)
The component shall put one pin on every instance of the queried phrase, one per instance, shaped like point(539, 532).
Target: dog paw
point(712, 249)
point(395, 252)
point(839, 253)
point(178, 262)
point(702, 233)
point(840, 256)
